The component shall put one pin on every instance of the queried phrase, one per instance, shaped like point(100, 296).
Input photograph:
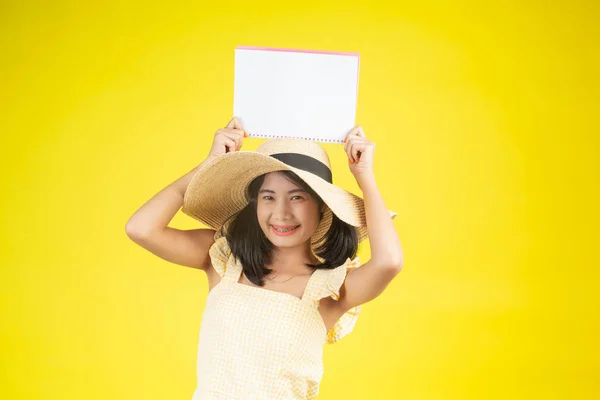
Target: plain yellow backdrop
point(486, 124)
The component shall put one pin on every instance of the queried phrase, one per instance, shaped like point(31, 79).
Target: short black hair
point(251, 247)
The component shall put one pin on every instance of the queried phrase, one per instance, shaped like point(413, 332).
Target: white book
point(280, 93)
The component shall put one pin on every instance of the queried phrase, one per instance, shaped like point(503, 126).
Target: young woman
point(280, 258)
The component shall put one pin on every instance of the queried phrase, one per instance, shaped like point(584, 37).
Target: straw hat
point(218, 190)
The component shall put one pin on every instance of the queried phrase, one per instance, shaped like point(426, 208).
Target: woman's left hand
point(360, 152)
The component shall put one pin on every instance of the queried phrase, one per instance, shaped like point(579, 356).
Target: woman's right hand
point(228, 139)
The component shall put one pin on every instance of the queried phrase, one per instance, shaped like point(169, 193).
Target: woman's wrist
point(366, 180)
point(182, 183)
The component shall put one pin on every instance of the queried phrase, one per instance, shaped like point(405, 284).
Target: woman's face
point(284, 206)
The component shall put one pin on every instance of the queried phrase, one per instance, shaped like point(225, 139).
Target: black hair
point(249, 244)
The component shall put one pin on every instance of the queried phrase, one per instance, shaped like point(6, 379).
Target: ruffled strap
point(222, 260)
point(328, 282)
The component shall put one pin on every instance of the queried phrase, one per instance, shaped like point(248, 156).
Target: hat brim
point(218, 190)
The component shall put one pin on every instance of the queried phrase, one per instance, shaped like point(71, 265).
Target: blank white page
point(291, 93)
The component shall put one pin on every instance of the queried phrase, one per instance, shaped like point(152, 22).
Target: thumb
point(235, 123)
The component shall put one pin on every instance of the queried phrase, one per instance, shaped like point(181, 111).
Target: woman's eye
point(293, 197)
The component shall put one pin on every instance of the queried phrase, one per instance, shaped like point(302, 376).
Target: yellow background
point(486, 124)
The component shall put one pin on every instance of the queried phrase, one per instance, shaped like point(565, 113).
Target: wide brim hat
point(218, 190)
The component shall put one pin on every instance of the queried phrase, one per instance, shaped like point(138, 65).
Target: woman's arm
point(386, 249)
point(157, 212)
point(370, 280)
point(148, 226)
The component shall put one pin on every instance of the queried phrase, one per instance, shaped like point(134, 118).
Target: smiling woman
point(283, 207)
point(283, 200)
point(275, 210)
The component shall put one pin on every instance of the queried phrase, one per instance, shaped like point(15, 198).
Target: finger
point(236, 135)
point(235, 123)
point(231, 132)
point(357, 131)
point(353, 152)
point(349, 134)
point(235, 132)
point(348, 146)
point(357, 149)
point(346, 143)
point(230, 145)
point(352, 141)
point(361, 132)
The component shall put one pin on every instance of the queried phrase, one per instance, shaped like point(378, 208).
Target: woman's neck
point(287, 260)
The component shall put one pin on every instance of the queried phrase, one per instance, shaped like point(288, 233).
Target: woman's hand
point(360, 152)
point(228, 139)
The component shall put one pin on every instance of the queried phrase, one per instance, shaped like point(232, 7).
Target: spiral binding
point(314, 139)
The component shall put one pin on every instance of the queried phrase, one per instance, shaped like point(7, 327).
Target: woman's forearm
point(386, 249)
point(157, 212)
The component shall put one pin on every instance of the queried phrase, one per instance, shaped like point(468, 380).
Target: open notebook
point(296, 93)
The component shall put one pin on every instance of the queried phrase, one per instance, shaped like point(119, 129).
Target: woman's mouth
point(279, 231)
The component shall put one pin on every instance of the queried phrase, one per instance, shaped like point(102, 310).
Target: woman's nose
point(282, 210)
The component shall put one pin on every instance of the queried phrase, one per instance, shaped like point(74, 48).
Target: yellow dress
point(257, 343)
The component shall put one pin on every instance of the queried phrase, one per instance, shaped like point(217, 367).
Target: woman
point(279, 257)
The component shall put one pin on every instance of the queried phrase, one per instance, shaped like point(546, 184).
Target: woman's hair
point(249, 244)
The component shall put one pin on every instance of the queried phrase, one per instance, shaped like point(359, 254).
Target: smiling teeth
point(284, 230)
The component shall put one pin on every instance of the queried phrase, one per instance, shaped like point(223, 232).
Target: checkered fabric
point(258, 343)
